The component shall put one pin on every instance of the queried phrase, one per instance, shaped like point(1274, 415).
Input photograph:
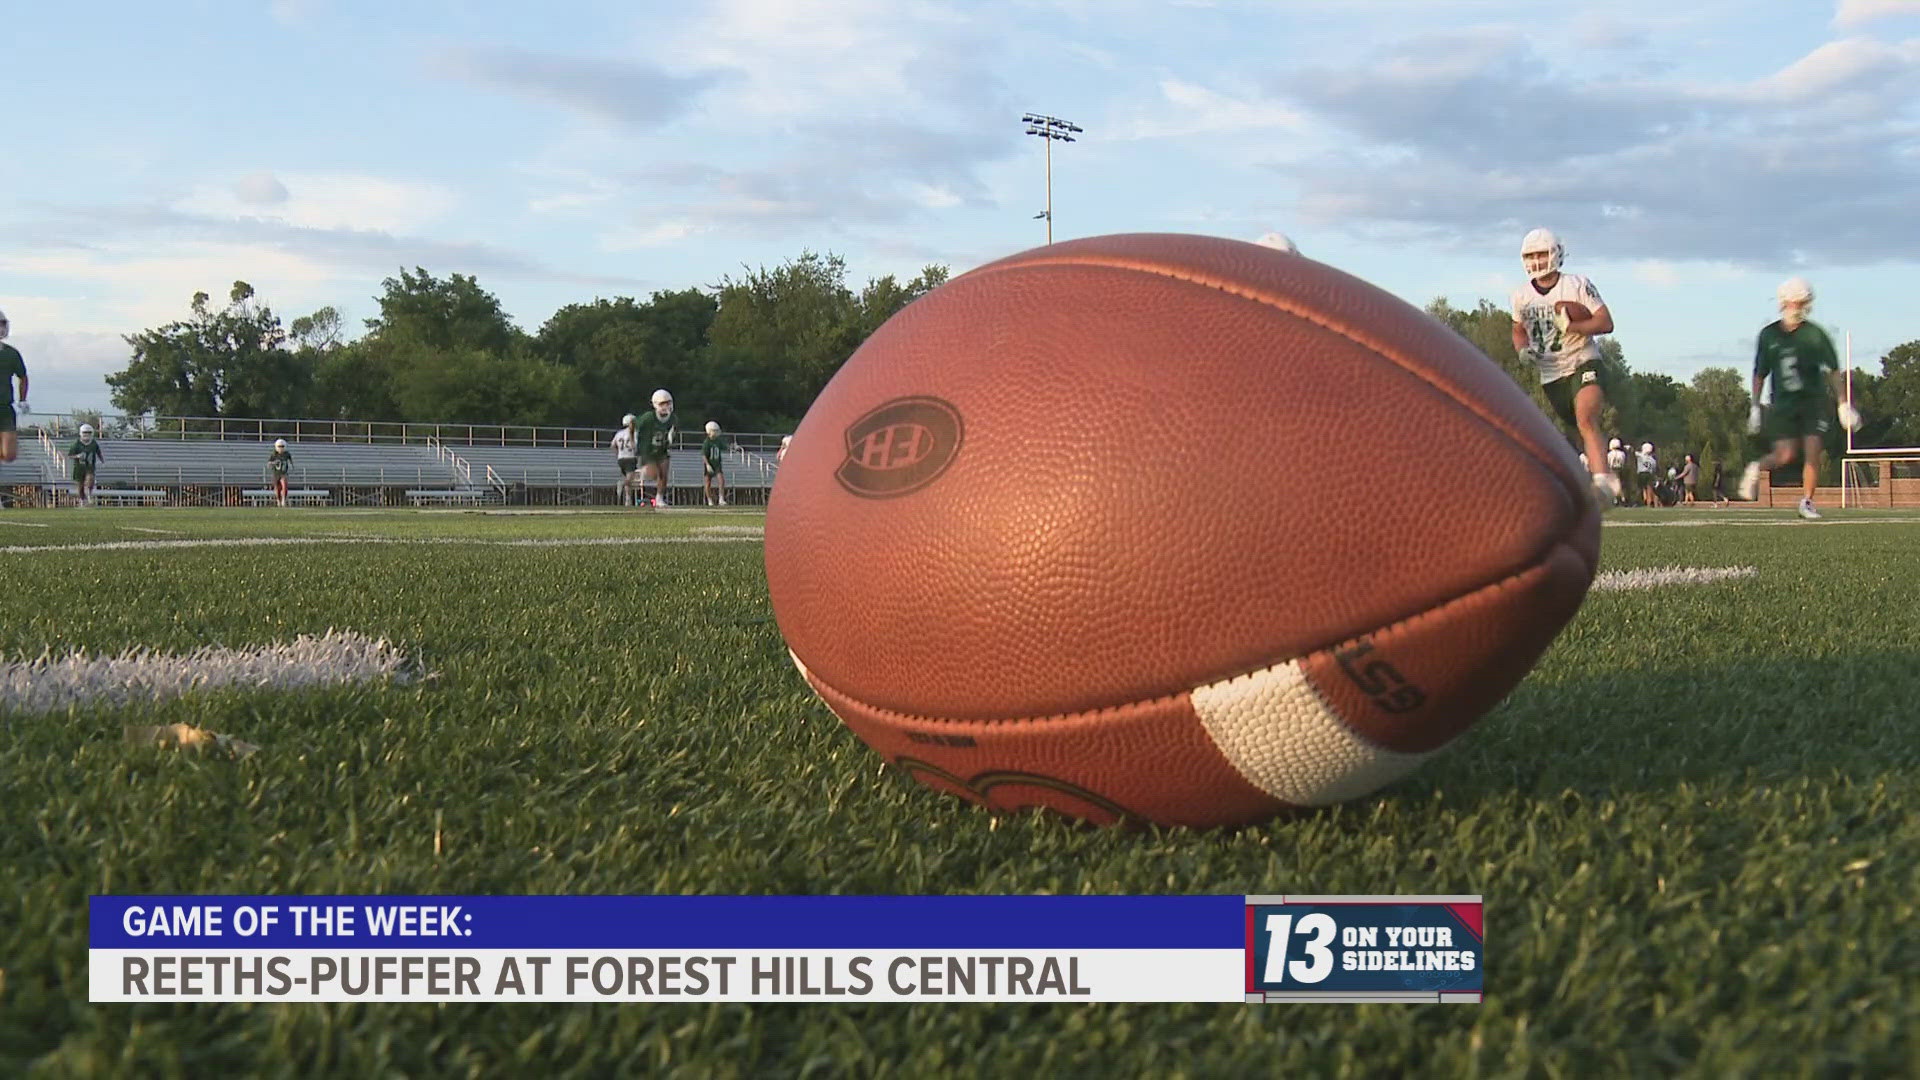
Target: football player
point(1572, 371)
point(655, 433)
point(785, 442)
point(86, 457)
point(626, 455)
point(1794, 353)
point(11, 367)
point(278, 463)
point(713, 455)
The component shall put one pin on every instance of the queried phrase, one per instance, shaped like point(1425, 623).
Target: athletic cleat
point(1606, 491)
point(1750, 482)
point(659, 503)
point(1807, 511)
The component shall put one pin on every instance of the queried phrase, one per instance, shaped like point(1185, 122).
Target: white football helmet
point(1613, 444)
point(4, 326)
point(627, 420)
point(1796, 300)
point(1278, 241)
point(279, 444)
point(713, 428)
point(1541, 254)
point(1646, 448)
point(86, 432)
point(662, 404)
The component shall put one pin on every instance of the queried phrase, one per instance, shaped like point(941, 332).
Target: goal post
point(1877, 475)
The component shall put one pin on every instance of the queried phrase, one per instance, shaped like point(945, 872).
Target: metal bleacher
point(30, 471)
point(146, 462)
point(200, 461)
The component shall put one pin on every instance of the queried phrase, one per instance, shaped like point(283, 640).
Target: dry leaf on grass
point(187, 737)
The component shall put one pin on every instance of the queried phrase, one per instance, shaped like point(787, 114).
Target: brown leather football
point(1162, 527)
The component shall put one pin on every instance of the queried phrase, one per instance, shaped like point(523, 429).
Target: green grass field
point(1696, 826)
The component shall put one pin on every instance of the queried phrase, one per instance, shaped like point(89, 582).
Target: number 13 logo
point(1316, 932)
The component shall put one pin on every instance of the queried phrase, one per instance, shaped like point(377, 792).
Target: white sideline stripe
point(156, 532)
point(731, 530)
point(1276, 730)
point(276, 541)
point(24, 524)
point(1736, 523)
point(336, 657)
point(1657, 577)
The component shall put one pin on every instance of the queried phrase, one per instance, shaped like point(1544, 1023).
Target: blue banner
point(668, 922)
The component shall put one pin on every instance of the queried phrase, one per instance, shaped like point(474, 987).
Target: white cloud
point(1852, 13)
point(294, 13)
point(261, 188)
point(1838, 66)
point(141, 285)
point(325, 201)
point(1189, 108)
point(657, 234)
point(799, 60)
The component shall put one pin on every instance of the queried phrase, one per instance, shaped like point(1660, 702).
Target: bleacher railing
point(257, 429)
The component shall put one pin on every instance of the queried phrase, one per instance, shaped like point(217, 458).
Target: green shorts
point(7, 421)
point(1561, 392)
point(1796, 418)
point(81, 472)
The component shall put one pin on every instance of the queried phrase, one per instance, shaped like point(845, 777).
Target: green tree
point(226, 362)
point(1490, 328)
point(779, 335)
point(1896, 397)
point(1715, 406)
point(1653, 413)
point(620, 351)
point(452, 314)
point(449, 354)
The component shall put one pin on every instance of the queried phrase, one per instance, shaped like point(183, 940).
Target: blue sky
point(1689, 155)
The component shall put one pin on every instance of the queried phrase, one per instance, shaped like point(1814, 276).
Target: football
point(1574, 310)
point(1159, 528)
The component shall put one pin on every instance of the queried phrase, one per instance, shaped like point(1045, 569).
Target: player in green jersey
point(11, 367)
point(713, 455)
point(85, 457)
point(655, 432)
point(1797, 357)
point(278, 463)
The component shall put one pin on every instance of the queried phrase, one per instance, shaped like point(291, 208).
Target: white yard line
point(286, 541)
point(50, 684)
point(1660, 577)
point(1734, 521)
point(156, 532)
point(24, 524)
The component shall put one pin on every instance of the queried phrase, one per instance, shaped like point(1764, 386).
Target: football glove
point(1560, 320)
point(1753, 420)
point(20, 408)
point(1849, 416)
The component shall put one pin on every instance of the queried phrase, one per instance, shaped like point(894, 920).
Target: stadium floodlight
point(1050, 129)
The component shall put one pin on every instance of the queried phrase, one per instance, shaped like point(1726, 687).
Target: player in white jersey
point(626, 454)
point(1556, 316)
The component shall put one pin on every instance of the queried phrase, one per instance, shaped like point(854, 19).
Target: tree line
point(751, 352)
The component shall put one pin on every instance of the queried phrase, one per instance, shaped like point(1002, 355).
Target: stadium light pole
point(1051, 129)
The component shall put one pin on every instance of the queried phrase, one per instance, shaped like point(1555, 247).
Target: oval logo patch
point(900, 447)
